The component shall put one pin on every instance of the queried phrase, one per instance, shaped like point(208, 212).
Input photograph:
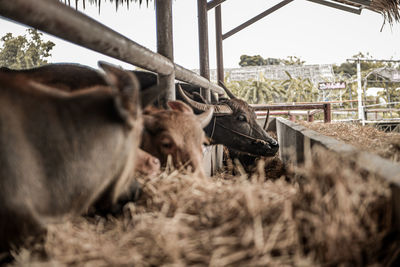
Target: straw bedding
point(325, 215)
point(387, 145)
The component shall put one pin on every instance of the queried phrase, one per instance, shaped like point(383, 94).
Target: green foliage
point(258, 60)
point(262, 90)
point(293, 60)
point(348, 72)
point(22, 52)
point(350, 68)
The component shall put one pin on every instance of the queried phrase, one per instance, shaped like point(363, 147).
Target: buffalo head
point(177, 132)
point(234, 125)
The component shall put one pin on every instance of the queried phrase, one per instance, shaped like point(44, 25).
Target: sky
point(315, 33)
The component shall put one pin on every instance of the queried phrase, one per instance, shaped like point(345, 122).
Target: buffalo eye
point(166, 143)
point(241, 117)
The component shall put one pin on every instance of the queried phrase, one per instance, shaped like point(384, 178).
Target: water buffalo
point(75, 77)
point(177, 132)
point(234, 122)
point(234, 125)
point(146, 164)
point(62, 152)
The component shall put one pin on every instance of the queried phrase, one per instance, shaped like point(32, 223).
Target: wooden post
point(218, 40)
point(165, 45)
point(203, 45)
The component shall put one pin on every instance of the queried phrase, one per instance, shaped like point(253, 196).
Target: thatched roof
point(388, 8)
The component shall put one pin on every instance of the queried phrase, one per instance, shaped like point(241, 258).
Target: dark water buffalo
point(234, 125)
point(177, 132)
point(234, 122)
point(62, 152)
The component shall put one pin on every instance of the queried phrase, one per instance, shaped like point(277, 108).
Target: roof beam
point(361, 2)
point(338, 6)
point(214, 3)
point(256, 18)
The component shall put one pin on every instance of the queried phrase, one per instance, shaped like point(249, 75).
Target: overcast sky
point(315, 33)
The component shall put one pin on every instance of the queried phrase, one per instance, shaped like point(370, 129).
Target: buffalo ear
point(180, 106)
point(126, 86)
point(205, 117)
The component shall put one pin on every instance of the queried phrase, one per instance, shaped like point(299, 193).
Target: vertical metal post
point(359, 93)
point(165, 45)
point(203, 45)
point(218, 33)
point(327, 113)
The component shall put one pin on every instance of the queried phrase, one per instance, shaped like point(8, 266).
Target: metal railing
point(286, 107)
point(64, 22)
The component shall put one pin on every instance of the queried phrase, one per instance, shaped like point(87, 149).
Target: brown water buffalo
point(146, 164)
point(177, 132)
point(62, 152)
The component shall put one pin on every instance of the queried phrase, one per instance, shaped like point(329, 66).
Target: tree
point(257, 60)
point(22, 52)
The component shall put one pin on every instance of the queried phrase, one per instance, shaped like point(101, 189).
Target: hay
point(328, 215)
point(367, 138)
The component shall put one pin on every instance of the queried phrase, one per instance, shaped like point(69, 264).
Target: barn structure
point(56, 18)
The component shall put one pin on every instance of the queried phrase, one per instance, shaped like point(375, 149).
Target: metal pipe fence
point(64, 22)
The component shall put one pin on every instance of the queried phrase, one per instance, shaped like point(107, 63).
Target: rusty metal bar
point(287, 107)
point(203, 45)
point(214, 3)
point(256, 18)
point(325, 107)
point(165, 46)
point(218, 40)
point(64, 22)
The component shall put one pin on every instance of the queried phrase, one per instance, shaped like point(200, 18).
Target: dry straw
point(385, 144)
point(328, 215)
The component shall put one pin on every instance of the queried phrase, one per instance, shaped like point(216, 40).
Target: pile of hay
point(327, 215)
point(387, 145)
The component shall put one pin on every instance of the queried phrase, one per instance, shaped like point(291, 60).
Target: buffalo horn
point(229, 93)
point(266, 121)
point(218, 109)
point(205, 117)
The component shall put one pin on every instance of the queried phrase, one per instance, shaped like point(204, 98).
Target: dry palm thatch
point(388, 8)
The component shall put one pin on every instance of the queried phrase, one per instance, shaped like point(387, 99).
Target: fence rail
point(64, 22)
point(325, 107)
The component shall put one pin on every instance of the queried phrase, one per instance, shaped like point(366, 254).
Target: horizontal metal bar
point(258, 107)
point(214, 3)
point(191, 77)
point(255, 19)
point(64, 22)
point(337, 6)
